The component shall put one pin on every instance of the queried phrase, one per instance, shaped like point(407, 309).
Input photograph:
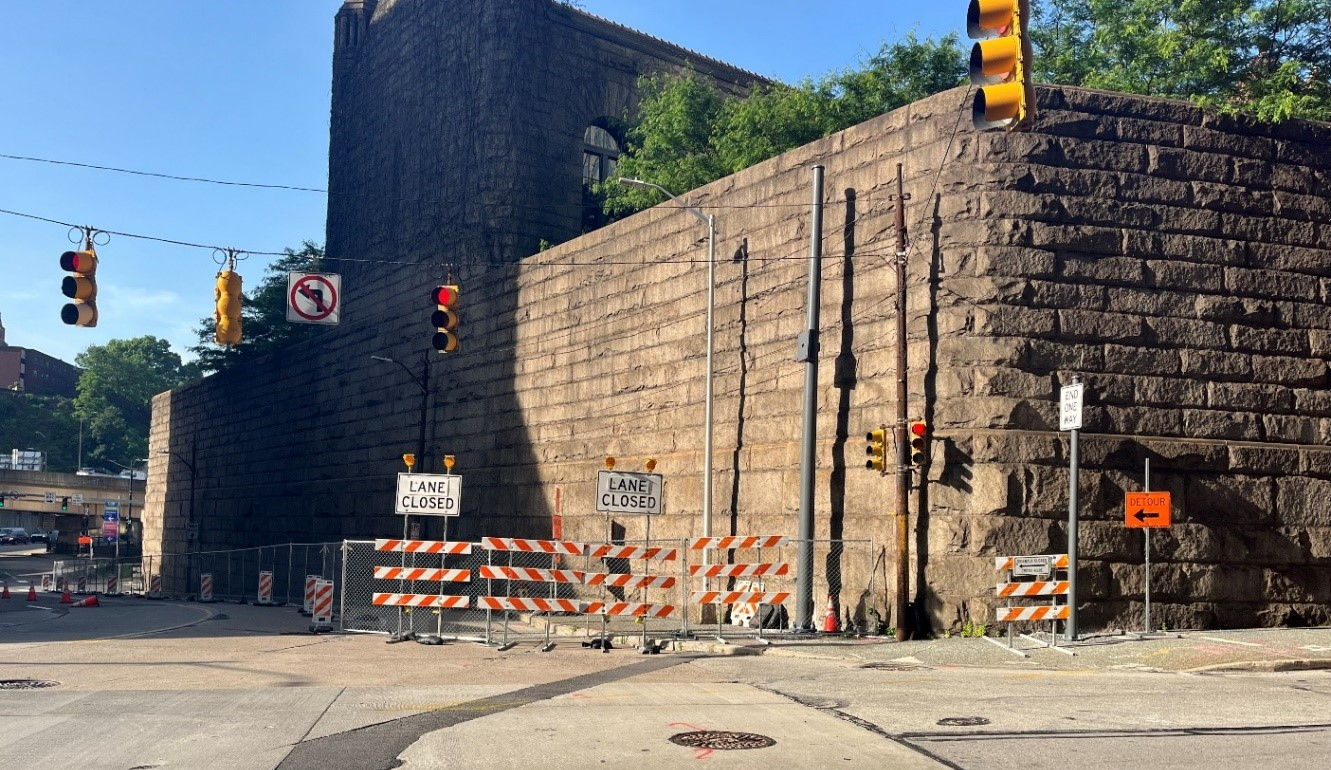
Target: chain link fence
point(234, 573)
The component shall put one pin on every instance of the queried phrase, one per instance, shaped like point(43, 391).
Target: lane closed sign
point(428, 494)
point(623, 492)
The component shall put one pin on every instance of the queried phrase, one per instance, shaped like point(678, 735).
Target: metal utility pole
point(902, 515)
point(808, 353)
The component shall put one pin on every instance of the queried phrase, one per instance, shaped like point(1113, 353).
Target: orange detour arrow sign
point(1147, 510)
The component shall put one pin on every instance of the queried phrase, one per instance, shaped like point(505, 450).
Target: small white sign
point(624, 492)
point(428, 494)
point(314, 298)
point(1032, 566)
point(77, 498)
point(50, 497)
point(1069, 409)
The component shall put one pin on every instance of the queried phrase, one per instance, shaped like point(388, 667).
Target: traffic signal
point(877, 449)
point(227, 313)
point(2, 501)
point(445, 318)
point(81, 287)
point(919, 444)
point(1000, 63)
point(64, 503)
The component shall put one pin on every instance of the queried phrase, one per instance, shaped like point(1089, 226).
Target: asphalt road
point(245, 689)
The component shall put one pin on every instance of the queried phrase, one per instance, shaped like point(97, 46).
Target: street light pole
point(422, 382)
point(710, 221)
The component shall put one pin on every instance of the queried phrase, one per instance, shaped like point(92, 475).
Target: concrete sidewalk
point(1265, 649)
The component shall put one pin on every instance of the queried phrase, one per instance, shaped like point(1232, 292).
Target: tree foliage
point(115, 394)
point(44, 423)
point(1268, 58)
point(688, 133)
point(263, 314)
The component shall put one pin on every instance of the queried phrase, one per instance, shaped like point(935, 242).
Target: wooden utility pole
point(902, 514)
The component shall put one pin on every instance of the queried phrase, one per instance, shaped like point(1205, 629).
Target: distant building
point(32, 371)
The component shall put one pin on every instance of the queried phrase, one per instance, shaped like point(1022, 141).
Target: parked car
point(38, 537)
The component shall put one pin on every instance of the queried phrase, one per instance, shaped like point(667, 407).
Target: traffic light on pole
point(81, 287)
point(919, 444)
point(445, 318)
point(64, 503)
point(227, 313)
point(877, 449)
point(1000, 63)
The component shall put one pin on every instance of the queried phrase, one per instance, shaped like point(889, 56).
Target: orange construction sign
point(1147, 510)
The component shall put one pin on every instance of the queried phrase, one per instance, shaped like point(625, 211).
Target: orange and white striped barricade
point(206, 587)
point(544, 556)
point(414, 548)
point(421, 600)
point(48, 581)
point(617, 576)
point(264, 596)
point(311, 584)
point(82, 585)
point(112, 585)
point(155, 586)
point(747, 597)
point(321, 619)
point(1041, 575)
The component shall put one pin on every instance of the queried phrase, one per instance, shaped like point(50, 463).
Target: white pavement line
point(1230, 641)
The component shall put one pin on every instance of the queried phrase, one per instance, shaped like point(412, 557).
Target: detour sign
point(1147, 510)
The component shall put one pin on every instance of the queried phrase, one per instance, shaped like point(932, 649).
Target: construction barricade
point(742, 574)
point(412, 589)
point(1040, 576)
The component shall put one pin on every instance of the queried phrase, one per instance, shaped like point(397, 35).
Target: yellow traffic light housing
point(227, 313)
point(877, 449)
point(1000, 63)
point(919, 444)
point(445, 318)
point(81, 287)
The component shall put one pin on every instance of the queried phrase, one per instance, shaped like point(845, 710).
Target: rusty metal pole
point(902, 514)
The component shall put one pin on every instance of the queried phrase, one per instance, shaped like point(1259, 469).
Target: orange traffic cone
point(91, 601)
point(830, 624)
point(65, 598)
point(32, 592)
point(5, 593)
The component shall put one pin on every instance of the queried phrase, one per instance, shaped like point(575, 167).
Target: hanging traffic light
point(919, 444)
point(64, 503)
point(1000, 63)
point(876, 450)
point(227, 313)
point(81, 287)
point(445, 318)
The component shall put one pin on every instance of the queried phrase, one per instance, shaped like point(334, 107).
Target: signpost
point(1148, 511)
point(1069, 418)
point(314, 298)
point(111, 521)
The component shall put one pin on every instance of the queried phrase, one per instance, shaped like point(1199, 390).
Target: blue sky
point(239, 90)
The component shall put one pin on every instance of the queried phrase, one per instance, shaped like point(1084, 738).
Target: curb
point(1265, 666)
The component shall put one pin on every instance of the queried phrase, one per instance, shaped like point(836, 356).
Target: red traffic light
point(444, 295)
point(919, 429)
point(79, 262)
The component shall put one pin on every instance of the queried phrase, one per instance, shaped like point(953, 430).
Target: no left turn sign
point(314, 298)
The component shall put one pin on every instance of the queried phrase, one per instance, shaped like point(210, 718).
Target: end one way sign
point(428, 494)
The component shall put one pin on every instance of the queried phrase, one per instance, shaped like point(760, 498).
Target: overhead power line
point(157, 175)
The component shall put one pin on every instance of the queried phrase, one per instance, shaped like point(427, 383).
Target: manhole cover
point(963, 722)
point(722, 740)
point(894, 667)
point(26, 684)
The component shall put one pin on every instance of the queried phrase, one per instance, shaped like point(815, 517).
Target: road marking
point(1230, 641)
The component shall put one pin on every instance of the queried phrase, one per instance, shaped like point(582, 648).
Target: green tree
point(263, 315)
point(687, 133)
point(44, 423)
point(115, 394)
point(1268, 58)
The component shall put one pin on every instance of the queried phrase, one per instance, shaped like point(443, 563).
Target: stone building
point(1173, 258)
